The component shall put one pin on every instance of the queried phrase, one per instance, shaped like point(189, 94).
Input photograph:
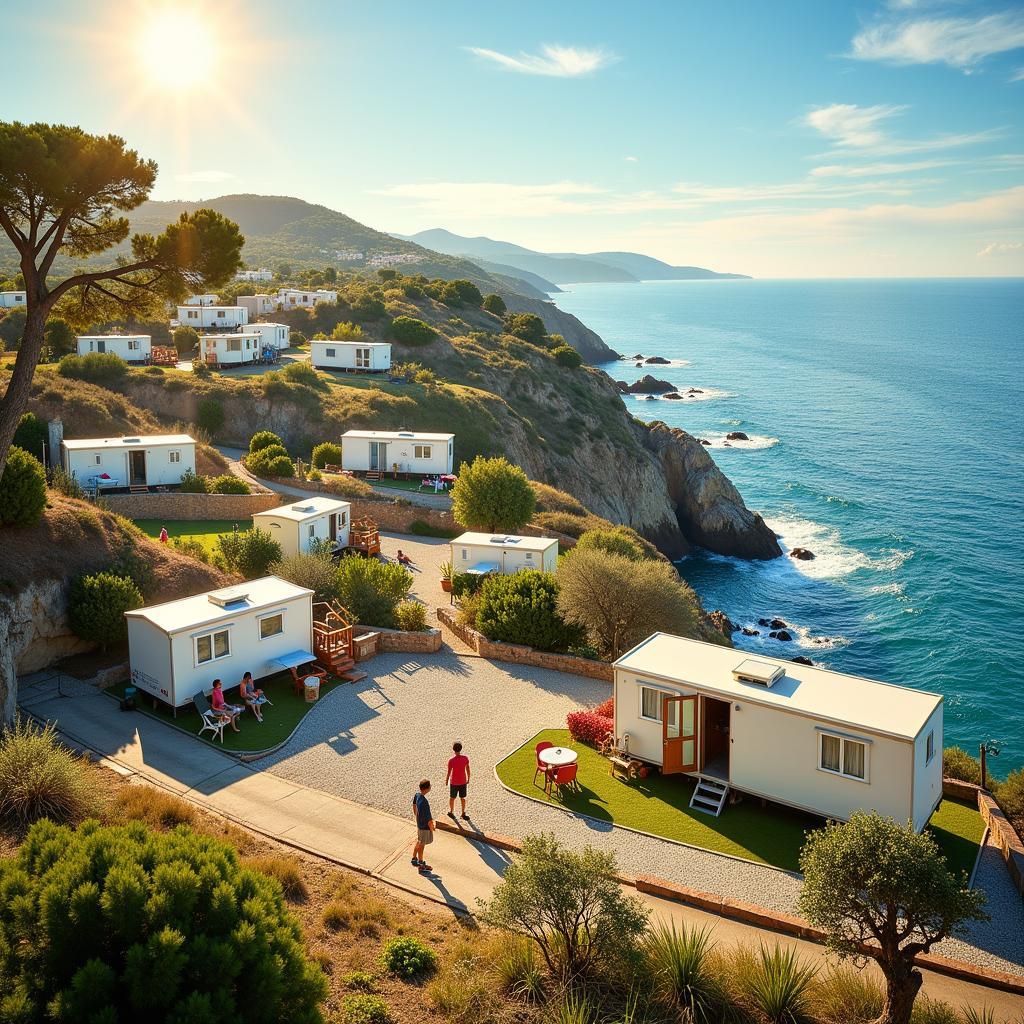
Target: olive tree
point(492, 494)
point(879, 889)
point(63, 194)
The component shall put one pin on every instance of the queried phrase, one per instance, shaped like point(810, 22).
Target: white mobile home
point(202, 300)
point(132, 348)
point(155, 460)
point(276, 336)
point(812, 739)
point(177, 649)
point(8, 300)
point(305, 298)
point(297, 527)
point(482, 552)
point(254, 275)
point(236, 349)
point(361, 356)
point(401, 451)
point(258, 305)
point(223, 318)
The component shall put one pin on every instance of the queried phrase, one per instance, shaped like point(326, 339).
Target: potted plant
point(446, 577)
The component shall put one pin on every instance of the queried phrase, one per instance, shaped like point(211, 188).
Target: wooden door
point(333, 520)
point(679, 734)
point(137, 467)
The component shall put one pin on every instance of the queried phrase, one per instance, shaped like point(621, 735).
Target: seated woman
point(403, 558)
point(229, 711)
point(253, 697)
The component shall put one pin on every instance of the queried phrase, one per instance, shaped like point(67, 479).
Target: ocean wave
point(687, 396)
point(731, 423)
point(654, 366)
point(803, 638)
point(754, 441)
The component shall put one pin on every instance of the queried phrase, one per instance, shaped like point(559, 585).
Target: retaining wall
point(519, 654)
point(401, 641)
point(175, 505)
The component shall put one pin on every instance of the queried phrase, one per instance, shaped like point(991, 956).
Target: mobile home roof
point(137, 441)
point(814, 692)
point(395, 435)
point(492, 540)
point(198, 610)
point(349, 344)
point(306, 508)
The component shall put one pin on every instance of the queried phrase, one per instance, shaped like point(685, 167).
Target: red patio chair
point(563, 775)
point(542, 768)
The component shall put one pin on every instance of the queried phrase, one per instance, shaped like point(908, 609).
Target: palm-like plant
point(779, 986)
point(679, 962)
point(985, 1015)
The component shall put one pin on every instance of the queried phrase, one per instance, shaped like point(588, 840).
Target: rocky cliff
point(588, 343)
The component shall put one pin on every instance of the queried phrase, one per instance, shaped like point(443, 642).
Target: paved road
point(356, 836)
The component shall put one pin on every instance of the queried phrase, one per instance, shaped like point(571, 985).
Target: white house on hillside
point(152, 460)
point(316, 518)
point(364, 356)
point(225, 318)
point(484, 552)
point(306, 298)
point(202, 300)
point(8, 300)
point(812, 739)
point(132, 348)
point(235, 349)
point(258, 305)
point(274, 335)
point(254, 275)
point(178, 648)
point(401, 451)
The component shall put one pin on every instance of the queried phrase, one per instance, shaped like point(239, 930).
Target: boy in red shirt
point(457, 779)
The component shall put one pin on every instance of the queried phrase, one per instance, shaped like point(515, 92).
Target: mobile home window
point(221, 313)
point(212, 646)
point(133, 345)
point(342, 518)
point(650, 703)
point(929, 747)
point(843, 756)
point(193, 314)
point(271, 625)
point(234, 345)
point(174, 456)
point(330, 352)
point(312, 529)
point(362, 358)
point(421, 451)
point(98, 460)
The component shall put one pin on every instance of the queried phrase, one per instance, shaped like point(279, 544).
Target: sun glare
point(176, 49)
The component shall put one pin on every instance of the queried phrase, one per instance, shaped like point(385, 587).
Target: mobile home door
point(378, 455)
point(679, 734)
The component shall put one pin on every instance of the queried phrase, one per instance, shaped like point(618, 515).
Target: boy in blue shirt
point(424, 827)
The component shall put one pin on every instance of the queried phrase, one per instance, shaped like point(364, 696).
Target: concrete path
point(355, 836)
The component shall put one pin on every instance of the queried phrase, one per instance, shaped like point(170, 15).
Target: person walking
point(424, 827)
point(163, 535)
point(457, 779)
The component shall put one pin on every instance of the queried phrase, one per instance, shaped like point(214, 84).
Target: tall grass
point(153, 806)
point(682, 975)
point(573, 1008)
point(778, 987)
point(972, 1015)
point(287, 871)
point(460, 990)
point(846, 995)
point(518, 967)
point(41, 779)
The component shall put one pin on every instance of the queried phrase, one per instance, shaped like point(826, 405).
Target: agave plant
point(975, 1016)
point(518, 968)
point(679, 962)
point(779, 986)
point(575, 1008)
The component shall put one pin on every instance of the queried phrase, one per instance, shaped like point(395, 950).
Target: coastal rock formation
point(659, 360)
point(588, 343)
point(709, 510)
point(804, 554)
point(701, 440)
point(736, 435)
point(781, 634)
point(801, 659)
point(748, 631)
point(648, 385)
point(675, 396)
point(722, 622)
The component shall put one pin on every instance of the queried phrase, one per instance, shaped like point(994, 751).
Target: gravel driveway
point(372, 742)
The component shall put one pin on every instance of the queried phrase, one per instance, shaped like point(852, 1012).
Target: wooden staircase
point(709, 796)
point(138, 489)
point(374, 475)
point(332, 640)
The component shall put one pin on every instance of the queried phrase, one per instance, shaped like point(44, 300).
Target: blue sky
point(788, 139)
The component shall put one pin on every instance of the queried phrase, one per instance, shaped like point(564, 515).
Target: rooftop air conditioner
point(227, 598)
point(760, 673)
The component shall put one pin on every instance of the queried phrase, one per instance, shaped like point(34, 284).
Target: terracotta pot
point(446, 586)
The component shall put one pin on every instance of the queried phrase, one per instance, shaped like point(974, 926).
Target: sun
point(177, 49)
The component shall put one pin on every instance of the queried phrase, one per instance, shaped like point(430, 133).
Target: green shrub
point(683, 978)
point(360, 981)
point(421, 528)
point(1011, 798)
point(527, 326)
point(249, 552)
point(228, 483)
point(518, 967)
point(185, 340)
point(492, 495)
point(958, 764)
point(566, 355)
point(522, 608)
point(193, 484)
point(778, 985)
point(199, 369)
point(31, 434)
point(22, 489)
point(362, 1008)
point(191, 547)
point(97, 367)
point(301, 373)
point(327, 453)
point(346, 331)
point(466, 583)
point(495, 304)
point(408, 330)
point(313, 571)
point(264, 439)
point(616, 540)
point(64, 483)
point(371, 590)
point(40, 779)
point(163, 927)
point(411, 616)
point(96, 607)
point(348, 487)
point(271, 461)
point(407, 957)
point(210, 416)
point(288, 873)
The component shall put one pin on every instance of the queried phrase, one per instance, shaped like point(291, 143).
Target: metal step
point(709, 797)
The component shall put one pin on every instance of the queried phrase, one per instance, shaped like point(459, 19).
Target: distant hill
point(561, 267)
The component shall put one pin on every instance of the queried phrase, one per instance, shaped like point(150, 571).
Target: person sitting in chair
point(217, 702)
point(403, 558)
point(253, 697)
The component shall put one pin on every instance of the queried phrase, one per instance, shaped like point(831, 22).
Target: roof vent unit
point(131, 440)
point(497, 540)
point(404, 433)
point(227, 598)
point(760, 673)
point(304, 508)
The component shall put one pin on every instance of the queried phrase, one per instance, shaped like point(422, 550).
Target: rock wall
point(174, 505)
point(401, 641)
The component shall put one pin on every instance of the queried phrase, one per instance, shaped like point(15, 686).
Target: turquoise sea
point(887, 435)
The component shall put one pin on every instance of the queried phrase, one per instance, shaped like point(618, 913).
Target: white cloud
point(994, 248)
point(496, 198)
point(1018, 75)
point(960, 42)
point(200, 177)
point(872, 170)
point(631, 159)
point(850, 125)
point(554, 61)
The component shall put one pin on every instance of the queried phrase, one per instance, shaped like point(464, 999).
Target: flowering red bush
point(606, 709)
point(588, 726)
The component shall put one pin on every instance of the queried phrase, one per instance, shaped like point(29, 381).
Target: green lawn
point(406, 485)
point(205, 531)
point(279, 720)
point(767, 835)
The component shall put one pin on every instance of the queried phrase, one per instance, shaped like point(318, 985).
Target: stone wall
point(175, 505)
point(401, 641)
point(518, 654)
